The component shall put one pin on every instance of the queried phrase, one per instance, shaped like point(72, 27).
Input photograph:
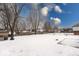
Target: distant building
point(76, 29)
point(67, 30)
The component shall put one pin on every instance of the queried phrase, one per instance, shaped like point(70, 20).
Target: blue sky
point(69, 15)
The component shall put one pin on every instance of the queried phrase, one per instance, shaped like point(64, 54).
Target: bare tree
point(11, 13)
point(3, 21)
point(20, 25)
point(35, 18)
point(47, 27)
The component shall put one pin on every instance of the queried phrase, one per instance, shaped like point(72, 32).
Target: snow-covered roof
point(76, 25)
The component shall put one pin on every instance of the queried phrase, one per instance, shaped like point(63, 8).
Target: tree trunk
point(35, 31)
point(12, 36)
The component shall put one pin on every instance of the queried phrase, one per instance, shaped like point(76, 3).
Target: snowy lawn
point(41, 45)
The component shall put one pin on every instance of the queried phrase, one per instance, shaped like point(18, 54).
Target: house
point(3, 34)
point(76, 29)
point(67, 30)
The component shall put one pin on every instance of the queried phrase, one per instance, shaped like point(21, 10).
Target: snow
point(41, 45)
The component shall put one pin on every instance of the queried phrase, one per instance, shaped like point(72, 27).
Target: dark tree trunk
point(35, 31)
point(12, 36)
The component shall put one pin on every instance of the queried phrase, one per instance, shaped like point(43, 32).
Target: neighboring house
point(3, 34)
point(67, 30)
point(76, 29)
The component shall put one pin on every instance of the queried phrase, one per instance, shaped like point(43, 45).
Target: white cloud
point(58, 9)
point(44, 11)
point(49, 7)
point(56, 21)
point(51, 18)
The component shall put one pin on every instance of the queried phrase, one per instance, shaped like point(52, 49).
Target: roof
point(76, 25)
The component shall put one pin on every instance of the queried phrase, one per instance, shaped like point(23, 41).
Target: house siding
point(75, 28)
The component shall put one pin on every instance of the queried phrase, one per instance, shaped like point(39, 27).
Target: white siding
point(75, 28)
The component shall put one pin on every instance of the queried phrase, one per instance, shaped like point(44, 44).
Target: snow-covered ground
point(41, 45)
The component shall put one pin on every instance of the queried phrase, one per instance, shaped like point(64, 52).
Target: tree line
point(10, 18)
